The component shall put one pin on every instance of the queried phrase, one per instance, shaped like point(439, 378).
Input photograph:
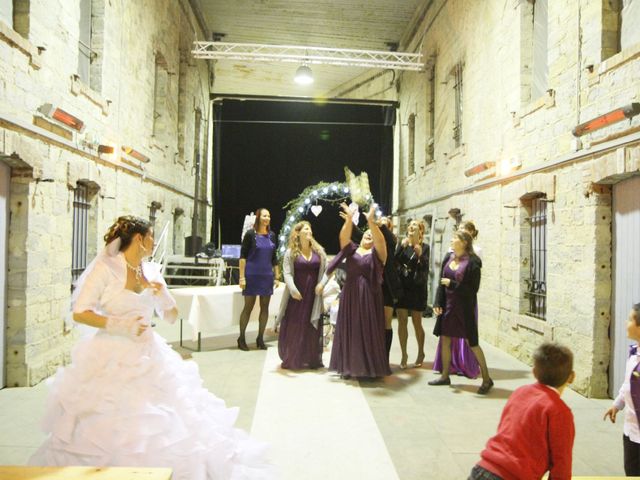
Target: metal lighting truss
point(255, 52)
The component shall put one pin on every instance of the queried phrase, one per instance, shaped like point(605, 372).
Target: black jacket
point(468, 289)
point(413, 269)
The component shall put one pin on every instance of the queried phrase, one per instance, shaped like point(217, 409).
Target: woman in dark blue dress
point(258, 274)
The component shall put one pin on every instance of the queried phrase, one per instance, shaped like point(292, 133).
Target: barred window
point(153, 212)
point(160, 90)
point(91, 43)
point(457, 87)
point(540, 70)
point(411, 151)
point(81, 207)
point(536, 291)
point(431, 132)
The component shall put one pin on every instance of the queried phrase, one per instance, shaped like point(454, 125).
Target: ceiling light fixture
point(304, 75)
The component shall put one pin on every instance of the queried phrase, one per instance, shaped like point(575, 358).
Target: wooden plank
point(78, 473)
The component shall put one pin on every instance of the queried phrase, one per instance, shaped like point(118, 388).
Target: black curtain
point(215, 184)
point(266, 153)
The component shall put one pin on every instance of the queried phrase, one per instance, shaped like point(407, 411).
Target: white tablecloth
point(210, 309)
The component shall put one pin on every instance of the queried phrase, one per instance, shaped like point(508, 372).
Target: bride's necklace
point(137, 270)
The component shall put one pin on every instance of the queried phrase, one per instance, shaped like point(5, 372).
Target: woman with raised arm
point(304, 263)
point(127, 399)
point(359, 343)
point(259, 274)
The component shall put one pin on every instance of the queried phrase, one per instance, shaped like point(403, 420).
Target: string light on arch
point(299, 207)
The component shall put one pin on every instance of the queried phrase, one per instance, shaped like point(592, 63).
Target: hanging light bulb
point(304, 75)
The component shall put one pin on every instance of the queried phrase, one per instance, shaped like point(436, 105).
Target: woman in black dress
point(412, 262)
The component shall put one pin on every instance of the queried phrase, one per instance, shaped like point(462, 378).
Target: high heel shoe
point(440, 381)
point(242, 344)
point(419, 361)
point(485, 387)
point(260, 343)
point(403, 362)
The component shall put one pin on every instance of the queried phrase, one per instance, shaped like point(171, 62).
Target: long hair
point(256, 223)
point(294, 240)
point(467, 239)
point(421, 229)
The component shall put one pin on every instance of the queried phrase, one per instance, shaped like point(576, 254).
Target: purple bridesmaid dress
point(463, 360)
point(299, 342)
point(359, 342)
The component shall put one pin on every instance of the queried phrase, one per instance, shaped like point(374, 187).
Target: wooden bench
point(83, 473)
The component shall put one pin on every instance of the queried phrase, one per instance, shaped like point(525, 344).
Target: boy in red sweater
point(536, 431)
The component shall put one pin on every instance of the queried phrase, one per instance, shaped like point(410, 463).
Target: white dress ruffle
point(135, 402)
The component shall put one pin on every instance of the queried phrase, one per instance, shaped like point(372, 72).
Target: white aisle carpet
point(319, 426)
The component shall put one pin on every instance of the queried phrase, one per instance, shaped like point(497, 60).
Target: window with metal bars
point(81, 207)
point(457, 87)
point(411, 150)
point(91, 43)
point(153, 212)
point(431, 132)
point(537, 282)
point(160, 90)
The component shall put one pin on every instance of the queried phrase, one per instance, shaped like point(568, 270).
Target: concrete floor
point(322, 427)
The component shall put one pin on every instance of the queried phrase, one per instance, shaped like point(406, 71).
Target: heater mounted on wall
point(61, 116)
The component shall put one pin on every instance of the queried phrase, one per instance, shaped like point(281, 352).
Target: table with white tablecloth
point(212, 309)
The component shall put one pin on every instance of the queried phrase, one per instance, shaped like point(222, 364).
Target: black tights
point(249, 302)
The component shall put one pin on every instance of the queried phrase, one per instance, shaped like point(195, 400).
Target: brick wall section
point(501, 122)
point(41, 202)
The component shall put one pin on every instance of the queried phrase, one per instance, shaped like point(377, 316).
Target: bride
point(127, 399)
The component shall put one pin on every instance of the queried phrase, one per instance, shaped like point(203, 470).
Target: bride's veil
point(109, 251)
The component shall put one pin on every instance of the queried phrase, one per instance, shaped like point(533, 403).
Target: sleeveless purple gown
point(299, 342)
point(359, 342)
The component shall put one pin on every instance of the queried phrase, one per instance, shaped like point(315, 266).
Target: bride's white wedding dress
point(133, 401)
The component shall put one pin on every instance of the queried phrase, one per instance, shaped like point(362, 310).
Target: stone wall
point(523, 145)
point(48, 158)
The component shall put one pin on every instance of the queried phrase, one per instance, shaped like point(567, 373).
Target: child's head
point(633, 323)
point(553, 365)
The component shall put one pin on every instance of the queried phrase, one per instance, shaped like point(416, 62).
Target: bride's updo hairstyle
point(125, 228)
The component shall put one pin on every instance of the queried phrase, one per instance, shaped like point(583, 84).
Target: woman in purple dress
point(455, 306)
point(258, 274)
point(463, 361)
point(303, 266)
point(359, 343)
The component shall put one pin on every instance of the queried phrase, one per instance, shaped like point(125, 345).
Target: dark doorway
point(267, 152)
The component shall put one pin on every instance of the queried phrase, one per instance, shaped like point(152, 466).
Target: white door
point(5, 178)
point(626, 273)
